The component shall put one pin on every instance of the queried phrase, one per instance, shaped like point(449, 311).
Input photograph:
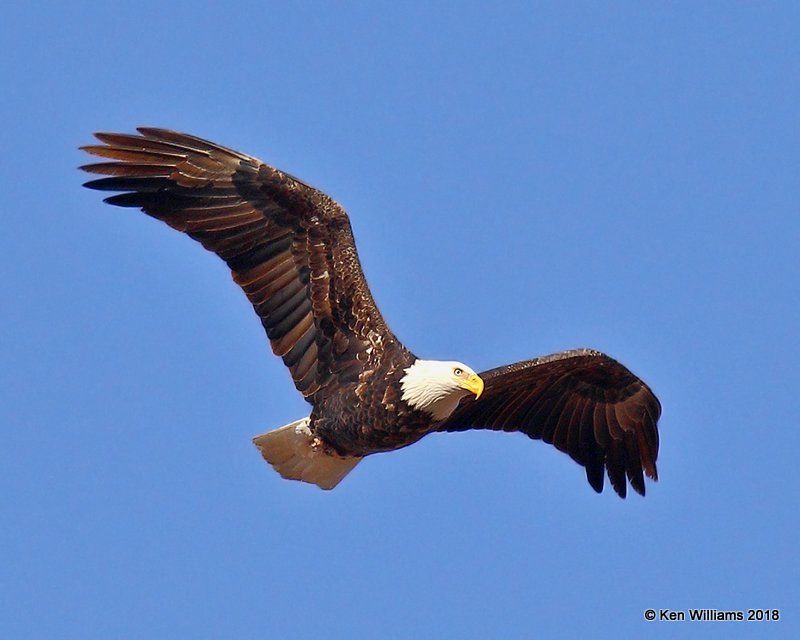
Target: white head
point(437, 387)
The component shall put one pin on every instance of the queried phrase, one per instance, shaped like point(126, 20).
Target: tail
point(292, 452)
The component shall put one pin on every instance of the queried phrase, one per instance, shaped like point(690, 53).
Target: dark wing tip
point(124, 200)
point(152, 131)
point(96, 184)
point(141, 184)
point(595, 474)
point(106, 137)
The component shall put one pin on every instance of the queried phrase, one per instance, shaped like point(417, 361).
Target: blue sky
point(521, 178)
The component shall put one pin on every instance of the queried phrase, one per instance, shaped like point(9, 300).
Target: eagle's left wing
point(583, 402)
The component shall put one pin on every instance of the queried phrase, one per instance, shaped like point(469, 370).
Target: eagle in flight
point(291, 249)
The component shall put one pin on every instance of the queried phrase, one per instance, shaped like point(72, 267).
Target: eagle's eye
point(458, 371)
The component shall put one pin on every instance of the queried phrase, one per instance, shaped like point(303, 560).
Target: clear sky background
point(522, 178)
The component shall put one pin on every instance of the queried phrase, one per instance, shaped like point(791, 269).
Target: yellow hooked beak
point(474, 384)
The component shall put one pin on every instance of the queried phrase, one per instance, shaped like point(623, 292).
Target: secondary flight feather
point(291, 249)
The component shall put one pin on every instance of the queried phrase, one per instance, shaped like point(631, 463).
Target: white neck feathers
point(429, 386)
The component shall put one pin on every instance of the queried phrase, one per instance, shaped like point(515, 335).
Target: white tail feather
point(291, 453)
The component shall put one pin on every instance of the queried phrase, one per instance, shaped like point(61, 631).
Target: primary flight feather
point(291, 249)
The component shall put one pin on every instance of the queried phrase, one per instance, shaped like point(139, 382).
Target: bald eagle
point(291, 249)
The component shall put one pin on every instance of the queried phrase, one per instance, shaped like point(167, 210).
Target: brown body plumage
point(291, 249)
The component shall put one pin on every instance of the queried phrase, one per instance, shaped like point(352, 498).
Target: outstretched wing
point(289, 246)
point(583, 402)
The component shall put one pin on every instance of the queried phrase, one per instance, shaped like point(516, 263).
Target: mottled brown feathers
point(582, 402)
point(289, 246)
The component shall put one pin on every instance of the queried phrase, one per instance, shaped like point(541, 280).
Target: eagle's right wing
point(289, 246)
